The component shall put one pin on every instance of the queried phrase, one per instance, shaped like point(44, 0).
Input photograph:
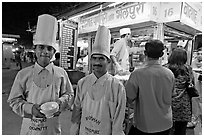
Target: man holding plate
point(41, 83)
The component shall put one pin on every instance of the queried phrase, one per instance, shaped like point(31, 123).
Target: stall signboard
point(191, 15)
point(125, 15)
point(188, 13)
point(170, 11)
point(155, 11)
point(68, 46)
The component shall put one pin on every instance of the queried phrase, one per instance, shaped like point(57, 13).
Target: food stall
point(171, 22)
point(182, 21)
point(138, 16)
point(167, 21)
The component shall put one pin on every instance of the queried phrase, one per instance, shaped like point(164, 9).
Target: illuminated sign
point(138, 12)
point(192, 15)
point(126, 15)
point(170, 11)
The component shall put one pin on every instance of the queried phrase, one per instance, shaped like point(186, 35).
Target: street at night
point(97, 63)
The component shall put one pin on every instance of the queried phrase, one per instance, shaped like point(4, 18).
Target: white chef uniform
point(104, 113)
point(37, 85)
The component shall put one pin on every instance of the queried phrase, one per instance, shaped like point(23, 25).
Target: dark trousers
point(18, 63)
point(134, 131)
point(180, 127)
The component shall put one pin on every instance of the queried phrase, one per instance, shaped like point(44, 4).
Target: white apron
point(96, 115)
point(39, 96)
point(124, 62)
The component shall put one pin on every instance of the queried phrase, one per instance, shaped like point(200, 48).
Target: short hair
point(178, 57)
point(154, 49)
point(122, 36)
point(57, 55)
point(200, 49)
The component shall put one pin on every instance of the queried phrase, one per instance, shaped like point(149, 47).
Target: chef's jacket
point(37, 85)
point(99, 106)
point(121, 52)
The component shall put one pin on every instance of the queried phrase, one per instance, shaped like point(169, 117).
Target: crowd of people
point(20, 56)
point(158, 92)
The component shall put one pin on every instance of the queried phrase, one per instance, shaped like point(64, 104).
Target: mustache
point(97, 65)
point(44, 56)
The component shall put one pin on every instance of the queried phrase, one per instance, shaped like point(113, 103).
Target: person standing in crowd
point(120, 52)
point(151, 88)
point(197, 62)
point(181, 102)
point(57, 59)
point(197, 102)
point(100, 101)
point(18, 59)
point(40, 83)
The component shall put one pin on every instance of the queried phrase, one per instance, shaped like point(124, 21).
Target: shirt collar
point(125, 41)
point(39, 68)
point(101, 80)
point(152, 62)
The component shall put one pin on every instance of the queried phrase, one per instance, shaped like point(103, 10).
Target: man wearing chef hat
point(120, 52)
point(40, 83)
point(99, 106)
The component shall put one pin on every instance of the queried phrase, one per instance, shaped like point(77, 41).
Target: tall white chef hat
point(102, 42)
point(182, 43)
point(125, 31)
point(46, 31)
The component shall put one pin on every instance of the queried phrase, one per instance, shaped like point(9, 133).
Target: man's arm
point(131, 89)
point(66, 93)
point(17, 99)
point(113, 58)
point(119, 114)
point(117, 46)
point(77, 111)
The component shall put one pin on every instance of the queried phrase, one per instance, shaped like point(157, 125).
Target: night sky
point(16, 15)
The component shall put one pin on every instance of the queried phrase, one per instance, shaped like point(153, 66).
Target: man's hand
point(36, 111)
point(124, 72)
point(56, 114)
point(120, 71)
point(118, 67)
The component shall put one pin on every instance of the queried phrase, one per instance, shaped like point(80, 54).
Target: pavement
point(11, 122)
